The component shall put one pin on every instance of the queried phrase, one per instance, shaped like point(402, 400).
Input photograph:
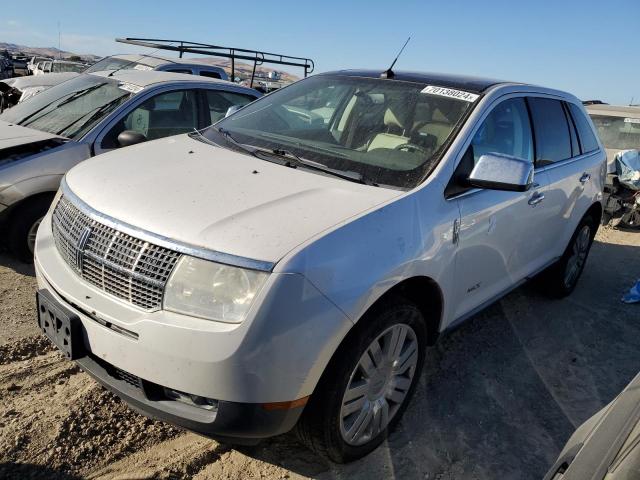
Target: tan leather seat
point(395, 119)
point(439, 127)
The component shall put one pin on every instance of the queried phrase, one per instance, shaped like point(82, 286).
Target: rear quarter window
point(209, 74)
point(588, 141)
point(553, 142)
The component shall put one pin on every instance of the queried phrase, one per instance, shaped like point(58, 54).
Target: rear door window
point(552, 134)
point(209, 74)
point(179, 70)
point(588, 141)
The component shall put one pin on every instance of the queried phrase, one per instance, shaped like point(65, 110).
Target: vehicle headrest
point(396, 114)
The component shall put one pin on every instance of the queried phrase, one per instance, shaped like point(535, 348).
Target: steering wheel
point(412, 147)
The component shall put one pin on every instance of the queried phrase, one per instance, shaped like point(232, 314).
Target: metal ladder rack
point(255, 56)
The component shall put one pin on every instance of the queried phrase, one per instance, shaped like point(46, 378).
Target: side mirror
point(130, 137)
point(232, 109)
point(501, 172)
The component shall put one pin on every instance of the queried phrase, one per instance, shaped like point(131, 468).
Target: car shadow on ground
point(22, 471)
point(500, 395)
point(9, 261)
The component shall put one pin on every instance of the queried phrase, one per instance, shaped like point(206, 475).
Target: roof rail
point(255, 56)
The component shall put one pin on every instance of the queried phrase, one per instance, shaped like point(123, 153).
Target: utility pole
point(59, 50)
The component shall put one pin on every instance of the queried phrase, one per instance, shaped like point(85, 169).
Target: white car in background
point(33, 62)
point(59, 66)
point(285, 267)
point(88, 115)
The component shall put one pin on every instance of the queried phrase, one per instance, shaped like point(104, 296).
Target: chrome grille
point(117, 263)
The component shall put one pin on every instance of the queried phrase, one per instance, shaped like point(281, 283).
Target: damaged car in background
point(619, 130)
point(23, 88)
point(18, 89)
point(87, 115)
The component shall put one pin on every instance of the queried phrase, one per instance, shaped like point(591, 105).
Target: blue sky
point(590, 48)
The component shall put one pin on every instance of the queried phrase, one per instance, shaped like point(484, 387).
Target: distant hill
point(243, 69)
point(43, 51)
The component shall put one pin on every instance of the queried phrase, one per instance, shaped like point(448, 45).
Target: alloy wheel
point(379, 384)
point(576, 261)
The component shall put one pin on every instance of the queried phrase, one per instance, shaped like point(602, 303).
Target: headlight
point(29, 92)
point(210, 290)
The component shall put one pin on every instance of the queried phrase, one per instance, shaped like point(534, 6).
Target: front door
point(497, 232)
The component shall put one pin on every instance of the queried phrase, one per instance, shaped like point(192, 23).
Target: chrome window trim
point(568, 161)
point(162, 241)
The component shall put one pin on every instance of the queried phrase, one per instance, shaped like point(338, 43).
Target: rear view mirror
point(501, 172)
point(130, 137)
point(232, 109)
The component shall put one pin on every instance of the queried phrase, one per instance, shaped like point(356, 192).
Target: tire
point(561, 278)
point(23, 226)
point(331, 431)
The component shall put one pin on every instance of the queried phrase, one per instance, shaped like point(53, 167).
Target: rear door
point(567, 151)
point(495, 247)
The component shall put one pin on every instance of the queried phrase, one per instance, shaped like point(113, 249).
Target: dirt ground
point(498, 398)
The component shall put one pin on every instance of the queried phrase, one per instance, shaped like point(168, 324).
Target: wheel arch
point(425, 293)
point(595, 211)
point(14, 209)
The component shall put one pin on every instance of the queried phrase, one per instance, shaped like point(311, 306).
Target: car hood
point(12, 135)
point(47, 80)
point(217, 199)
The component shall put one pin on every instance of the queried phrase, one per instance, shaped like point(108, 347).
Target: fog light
point(193, 400)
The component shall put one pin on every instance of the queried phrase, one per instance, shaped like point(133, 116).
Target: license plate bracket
point(60, 325)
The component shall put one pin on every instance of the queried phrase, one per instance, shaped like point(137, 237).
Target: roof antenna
point(389, 72)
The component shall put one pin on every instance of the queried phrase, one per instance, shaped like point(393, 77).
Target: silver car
point(289, 265)
point(45, 136)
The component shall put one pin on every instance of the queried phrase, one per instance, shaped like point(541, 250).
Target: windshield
point(618, 133)
point(71, 108)
point(113, 63)
point(387, 131)
point(67, 67)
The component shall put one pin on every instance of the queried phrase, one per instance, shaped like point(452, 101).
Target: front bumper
point(275, 356)
point(231, 421)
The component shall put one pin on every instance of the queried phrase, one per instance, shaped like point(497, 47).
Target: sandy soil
point(498, 398)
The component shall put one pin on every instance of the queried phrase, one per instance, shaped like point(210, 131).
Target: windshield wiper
point(227, 136)
point(293, 160)
point(321, 167)
point(79, 94)
point(95, 113)
point(52, 106)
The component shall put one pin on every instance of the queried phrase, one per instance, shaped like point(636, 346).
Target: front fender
point(358, 262)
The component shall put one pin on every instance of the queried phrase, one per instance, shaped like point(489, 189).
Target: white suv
point(290, 264)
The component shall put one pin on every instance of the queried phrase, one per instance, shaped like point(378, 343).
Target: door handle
point(536, 198)
point(585, 178)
